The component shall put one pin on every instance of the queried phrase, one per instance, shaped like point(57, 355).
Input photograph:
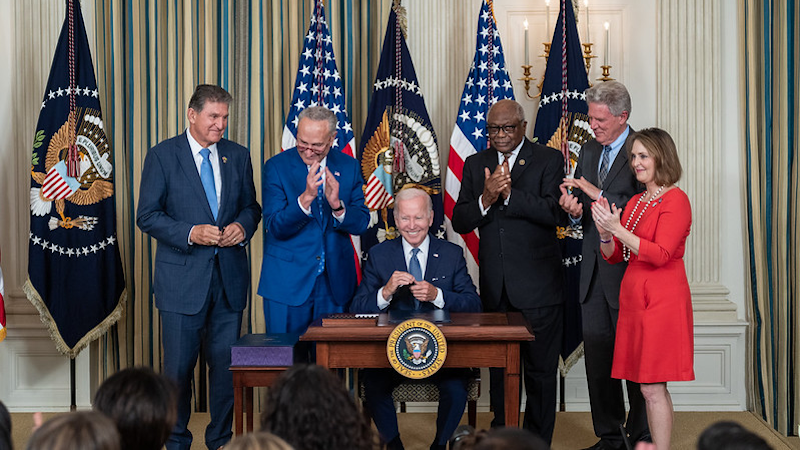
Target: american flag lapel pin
point(336, 173)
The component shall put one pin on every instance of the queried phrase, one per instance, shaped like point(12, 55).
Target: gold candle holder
point(527, 78)
point(546, 51)
point(606, 72)
point(587, 55)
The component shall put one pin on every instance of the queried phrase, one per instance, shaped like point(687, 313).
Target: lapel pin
point(521, 162)
point(336, 173)
point(224, 160)
point(435, 255)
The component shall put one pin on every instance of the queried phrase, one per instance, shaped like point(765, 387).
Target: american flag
point(487, 83)
point(318, 84)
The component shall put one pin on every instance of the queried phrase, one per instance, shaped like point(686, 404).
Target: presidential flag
point(398, 148)
point(2, 308)
point(75, 276)
point(318, 84)
point(487, 83)
point(562, 123)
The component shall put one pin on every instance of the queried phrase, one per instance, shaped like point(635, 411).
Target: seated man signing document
point(416, 272)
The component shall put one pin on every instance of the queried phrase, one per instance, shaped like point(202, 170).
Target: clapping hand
point(496, 183)
point(569, 203)
point(606, 217)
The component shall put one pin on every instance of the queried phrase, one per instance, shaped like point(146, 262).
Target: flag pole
point(72, 403)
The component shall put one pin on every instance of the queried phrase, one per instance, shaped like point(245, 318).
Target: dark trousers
point(452, 384)
point(216, 326)
point(282, 318)
point(540, 370)
point(605, 393)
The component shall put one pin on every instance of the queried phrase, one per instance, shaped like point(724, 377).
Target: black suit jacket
point(518, 246)
point(620, 185)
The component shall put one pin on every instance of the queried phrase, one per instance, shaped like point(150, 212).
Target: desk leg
point(248, 400)
point(512, 379)
point(323, 354)
point(238, 411)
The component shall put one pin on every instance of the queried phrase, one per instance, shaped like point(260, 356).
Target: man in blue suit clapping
point(313, 202)
point(198, 201)
point(416, 272)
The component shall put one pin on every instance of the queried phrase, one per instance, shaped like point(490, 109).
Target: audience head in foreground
point(497, 439)
point(142, 404)
point(5, 429)
point(258, 441)
point(310, 409)
point(84, 430)
point(726, 435)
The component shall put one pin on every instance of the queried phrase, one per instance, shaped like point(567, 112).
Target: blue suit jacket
point(172, 201)
point(445, 269)
point(295, 241)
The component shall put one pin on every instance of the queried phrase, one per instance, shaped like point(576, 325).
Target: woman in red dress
point(655, 340)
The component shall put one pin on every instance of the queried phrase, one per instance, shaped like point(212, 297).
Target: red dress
point(655, 339)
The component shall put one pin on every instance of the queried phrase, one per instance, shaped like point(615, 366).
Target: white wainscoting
point(35, 376)
point(719, 361)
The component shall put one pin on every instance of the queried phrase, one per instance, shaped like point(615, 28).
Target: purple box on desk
point(270, 350)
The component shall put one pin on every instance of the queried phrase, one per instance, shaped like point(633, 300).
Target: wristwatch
point(341, 207)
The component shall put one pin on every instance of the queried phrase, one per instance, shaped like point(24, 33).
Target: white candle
point(605, 58)
point(586, 8)
point(527, 58)
point(547, 17)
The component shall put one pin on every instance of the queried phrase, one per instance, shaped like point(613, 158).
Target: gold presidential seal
point(416, 348)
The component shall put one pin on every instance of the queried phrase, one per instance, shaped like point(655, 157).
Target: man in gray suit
point(198, 201)
point(603, 170)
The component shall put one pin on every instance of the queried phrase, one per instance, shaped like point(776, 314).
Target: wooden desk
point(245, 378)
point(473, 340)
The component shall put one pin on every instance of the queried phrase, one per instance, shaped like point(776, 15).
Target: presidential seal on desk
point(416, 348)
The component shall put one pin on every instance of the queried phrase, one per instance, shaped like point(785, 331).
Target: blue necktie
point(207, 177)
point(415, 270)
point(320, 196)
point(601, 176)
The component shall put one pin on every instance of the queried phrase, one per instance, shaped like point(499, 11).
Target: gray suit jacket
point(620, 186)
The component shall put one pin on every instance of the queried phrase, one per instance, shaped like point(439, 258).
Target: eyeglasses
point(315, 148)
point(507, 129)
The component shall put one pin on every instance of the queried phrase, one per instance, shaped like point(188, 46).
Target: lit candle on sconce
point(527, 58)
point(605, 57)
point(586, 8)
point(547, 17)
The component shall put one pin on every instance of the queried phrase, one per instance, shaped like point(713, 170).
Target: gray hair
point(612, 94)
point(318, 114)
point(519, 111)
point(411, 193)
point(205, 93)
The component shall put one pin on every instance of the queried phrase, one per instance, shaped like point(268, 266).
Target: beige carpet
point(573, 429)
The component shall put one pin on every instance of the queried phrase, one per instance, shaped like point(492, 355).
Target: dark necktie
point(207, 177)
point(415, 270)
point(604, 163)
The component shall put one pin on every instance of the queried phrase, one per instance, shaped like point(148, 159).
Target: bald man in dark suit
point(510, 194)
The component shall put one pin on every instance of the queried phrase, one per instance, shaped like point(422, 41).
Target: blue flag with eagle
point(75, 276)
point(398, 147)
point(562, 123)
